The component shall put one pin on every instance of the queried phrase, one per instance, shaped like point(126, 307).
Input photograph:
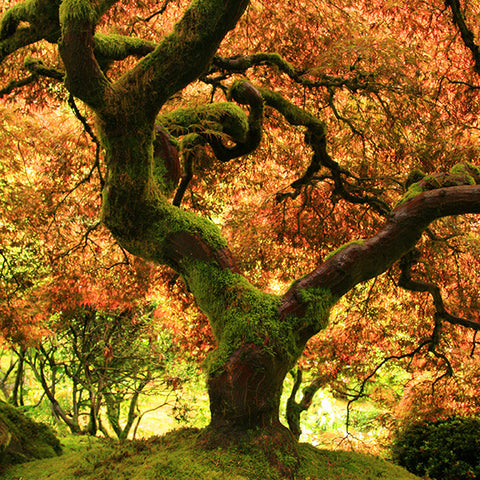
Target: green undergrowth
point(176, 456)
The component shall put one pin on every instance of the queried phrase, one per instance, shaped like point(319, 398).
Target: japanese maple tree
point(389, 114)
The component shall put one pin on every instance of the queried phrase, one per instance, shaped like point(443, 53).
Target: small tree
point(106, 361)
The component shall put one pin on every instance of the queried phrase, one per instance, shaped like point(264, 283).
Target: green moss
point(286, 67)
point(428, 182)
point(412, 192)
point(413, 177)
point(76, 11)
point(225, 117)
point(117, 47)
point(467, 171)
point(13, 16)
point(463, 173)
point(239, 313)
point(177, 456)
point(343, 247)
point(28, 439)
point(42, 14)
point(319, 301)
point(293, 114)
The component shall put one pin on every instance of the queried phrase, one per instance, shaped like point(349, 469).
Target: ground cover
point(176, 456)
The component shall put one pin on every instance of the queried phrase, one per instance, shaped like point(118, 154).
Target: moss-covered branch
point(359, 262)
point(244, 93)
point(183, 55)
point(463, 173)
point(42, 19)
point(118, 47)
point(190, 147)
point(37, 67)
point(316, 138)
point(85, 78)
point(222, 120)
point(241, 63)
point(42, 16)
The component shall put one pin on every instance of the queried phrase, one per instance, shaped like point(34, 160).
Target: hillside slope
point(175, 456)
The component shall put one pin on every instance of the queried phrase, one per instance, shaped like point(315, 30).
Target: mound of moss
point(176, 456)
point(22, 439)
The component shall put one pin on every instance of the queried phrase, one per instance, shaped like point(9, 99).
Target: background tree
point(396, 96)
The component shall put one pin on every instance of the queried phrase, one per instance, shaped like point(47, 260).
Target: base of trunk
point(276, 443)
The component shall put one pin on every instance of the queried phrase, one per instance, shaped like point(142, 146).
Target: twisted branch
point(241, 63)
point(406, 282)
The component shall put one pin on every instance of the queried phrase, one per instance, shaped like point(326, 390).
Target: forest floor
point(176, 456)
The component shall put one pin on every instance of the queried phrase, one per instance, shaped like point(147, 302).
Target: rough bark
point(362, 261)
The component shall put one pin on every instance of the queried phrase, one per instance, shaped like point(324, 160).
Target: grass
point(176, 456)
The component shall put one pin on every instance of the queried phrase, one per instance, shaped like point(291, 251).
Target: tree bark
point(244, 405)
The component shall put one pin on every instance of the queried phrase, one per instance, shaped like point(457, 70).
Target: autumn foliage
point(344, 119)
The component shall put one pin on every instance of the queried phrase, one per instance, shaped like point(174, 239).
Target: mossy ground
point(28, 439)
point(176, 456)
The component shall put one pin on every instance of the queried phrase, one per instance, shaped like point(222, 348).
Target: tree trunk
point(17, 393)
point(244, 405)
point(246, 394)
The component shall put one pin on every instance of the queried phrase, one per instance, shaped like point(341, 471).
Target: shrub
point(447, 449)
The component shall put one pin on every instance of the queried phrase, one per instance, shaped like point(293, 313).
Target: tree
point(147, 141)
point(107, 360)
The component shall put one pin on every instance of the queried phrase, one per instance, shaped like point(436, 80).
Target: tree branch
point(85, 78)
point(241, 63)
point(317, 140)
point(14, 84)
point(118, 47)
point(189, 146)
point(294, 409)
point(408, 283)
point(182, 56)
point(360, 261)
point(465, 32)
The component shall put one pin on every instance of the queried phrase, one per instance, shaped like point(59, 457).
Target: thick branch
point(358, 262)
point(85, 78)
point(245, 94)
point(42, 16)
point(211, 120)
point(118, 47)
point(182, 56)
point(21, 38)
